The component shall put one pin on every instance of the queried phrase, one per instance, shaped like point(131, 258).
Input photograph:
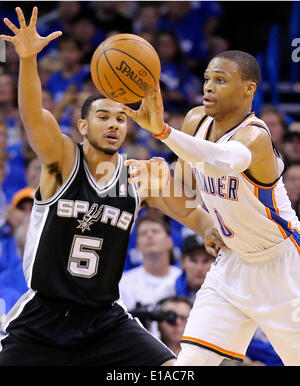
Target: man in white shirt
point(155, 278)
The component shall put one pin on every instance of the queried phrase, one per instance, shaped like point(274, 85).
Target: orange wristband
point(164, 134)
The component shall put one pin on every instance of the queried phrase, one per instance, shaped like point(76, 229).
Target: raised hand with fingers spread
point(27, 41)
point(150, 115)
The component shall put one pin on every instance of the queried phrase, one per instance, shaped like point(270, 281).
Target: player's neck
point(101, 165)
point(156, 265)
point(223, 123)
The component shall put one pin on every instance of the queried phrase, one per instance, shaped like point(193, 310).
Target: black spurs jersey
point(77, 240)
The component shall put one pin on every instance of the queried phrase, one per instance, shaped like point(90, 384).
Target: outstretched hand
point(28, 43)
point(150, 115)
point(151, 176)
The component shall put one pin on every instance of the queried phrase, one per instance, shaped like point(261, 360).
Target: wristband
point(164, 134)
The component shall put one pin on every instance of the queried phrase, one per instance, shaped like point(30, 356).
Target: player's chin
point(110, 150)
point(210, 110)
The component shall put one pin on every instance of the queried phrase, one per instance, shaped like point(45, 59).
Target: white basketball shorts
point(238, 295)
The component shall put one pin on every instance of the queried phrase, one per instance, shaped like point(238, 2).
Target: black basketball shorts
point(52, 333)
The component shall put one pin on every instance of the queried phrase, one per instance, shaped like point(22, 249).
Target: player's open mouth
point(208, 102)
point(111, 137)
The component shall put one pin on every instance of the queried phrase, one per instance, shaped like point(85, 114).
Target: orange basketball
point(124, 67)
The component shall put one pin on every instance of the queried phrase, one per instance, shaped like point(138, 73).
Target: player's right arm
point(43, 131)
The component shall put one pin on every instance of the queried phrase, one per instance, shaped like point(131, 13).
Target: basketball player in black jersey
point(80, 225)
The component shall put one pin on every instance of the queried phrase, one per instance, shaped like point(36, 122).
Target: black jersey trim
point(277, 155)
point(233, 129)
point(63, 188)
point(200, 124)
point(111, 183)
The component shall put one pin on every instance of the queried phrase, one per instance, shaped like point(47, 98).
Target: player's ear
point(82, 126)
point(251, 88)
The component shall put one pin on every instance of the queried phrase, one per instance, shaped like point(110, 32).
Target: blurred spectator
point(149, 36)
point(171, 333)
point(195, 262)
point(11, 61)
point(210, 12)
point(155, 278)
point(110, 18)
point(147, 17)
point(17, 211)
point(3, 156)
point(178, 232)
point(276, 124)
point(47, 66)
point(76, 115)
point(72, 72)
point(180, 17)
point(2, 195)
point(291, 146)
point(14, 168)
point(23, 201)
point(33, 171)
point(291, 179)
point(13, 277)
point(9, 109)
point(88, 85)
point(63, 109)
point(59, 19)
point(180, 86)
point(137, 152)
point(84, 30)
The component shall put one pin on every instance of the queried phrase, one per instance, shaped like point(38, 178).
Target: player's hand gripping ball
point(124, 67)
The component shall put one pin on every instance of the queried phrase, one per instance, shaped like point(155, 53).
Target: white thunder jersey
point(250, 216)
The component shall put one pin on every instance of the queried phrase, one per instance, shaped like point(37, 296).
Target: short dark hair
point(85, 109)
point(248, 66)
point(66, 39)
point(274, 110)
point(148, 217)
point(175, 299)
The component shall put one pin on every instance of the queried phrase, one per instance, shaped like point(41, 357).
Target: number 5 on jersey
point(83, 260)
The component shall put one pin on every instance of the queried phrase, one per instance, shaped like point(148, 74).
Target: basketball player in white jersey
point(256, 282)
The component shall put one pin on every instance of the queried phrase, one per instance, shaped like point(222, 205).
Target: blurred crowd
point(166, 263)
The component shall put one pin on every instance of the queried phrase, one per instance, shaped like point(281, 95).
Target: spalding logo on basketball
point(124, 67)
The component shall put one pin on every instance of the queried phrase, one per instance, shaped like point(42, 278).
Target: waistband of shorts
point(277, 250)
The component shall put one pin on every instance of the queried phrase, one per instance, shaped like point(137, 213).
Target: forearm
point(196, 219)
point(30, 93)
point(218, 159)
point(174, 196)
point(199, 220)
